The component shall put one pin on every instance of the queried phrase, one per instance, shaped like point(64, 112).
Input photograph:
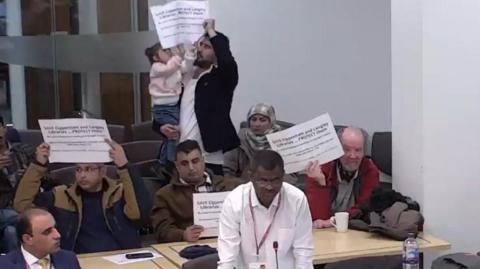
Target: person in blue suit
point(40, 244)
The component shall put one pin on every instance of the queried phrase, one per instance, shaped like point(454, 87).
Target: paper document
point(179, 22)
point(206, 211)
point(121, 259)
point(313, 140)
point(76, 140)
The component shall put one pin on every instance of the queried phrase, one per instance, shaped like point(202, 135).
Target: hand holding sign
point(42, 153)
point(117, 153)
point(209, 26)
point(314, 170)
point(192, 233)
point(206, 212)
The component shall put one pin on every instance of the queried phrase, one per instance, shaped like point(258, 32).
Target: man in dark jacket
point(40, 244)
point(95, 213)
point(13, 160)
point(172, 214)
point(15, 157)
point(207, 100)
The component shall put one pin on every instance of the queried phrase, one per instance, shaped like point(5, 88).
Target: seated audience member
point(40, 242)
point(95, 213)
point(261, 120)
point(264, 211)
point(172, 214)
point(9, 173)
point(15, 157)
point(343, 184)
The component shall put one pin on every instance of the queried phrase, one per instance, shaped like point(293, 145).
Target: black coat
point(213, 100)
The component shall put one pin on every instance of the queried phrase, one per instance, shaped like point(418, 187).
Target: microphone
point(275, 247)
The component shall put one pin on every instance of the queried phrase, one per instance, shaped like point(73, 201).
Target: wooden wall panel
point(40, 95)
point(117, 98)
point(146, 100)
point(39, 83)
point(116, 89)
point(114, 16)
point(37, 16)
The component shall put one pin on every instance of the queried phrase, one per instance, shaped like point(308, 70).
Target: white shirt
point(188, 120)
point(206, 186)
point(32, 260)
point(291, 228)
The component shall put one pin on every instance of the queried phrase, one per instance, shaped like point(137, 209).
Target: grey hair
point(362, 131)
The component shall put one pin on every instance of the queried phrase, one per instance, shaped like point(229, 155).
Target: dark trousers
point(167, 114)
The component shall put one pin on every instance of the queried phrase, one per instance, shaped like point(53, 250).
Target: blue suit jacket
point(61, 260)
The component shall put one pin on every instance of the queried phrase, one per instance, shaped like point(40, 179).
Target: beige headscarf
point(258, 142)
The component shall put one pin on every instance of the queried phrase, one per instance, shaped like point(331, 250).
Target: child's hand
point(175, 51)
point(170, 131)
point(190, 50)
point(181, 50)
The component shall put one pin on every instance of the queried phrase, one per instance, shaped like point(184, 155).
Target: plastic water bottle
point(411, 257)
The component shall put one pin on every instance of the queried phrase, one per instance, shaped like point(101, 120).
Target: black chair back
point(382, 151)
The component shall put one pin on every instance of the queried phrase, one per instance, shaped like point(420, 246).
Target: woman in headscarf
point(261, 121)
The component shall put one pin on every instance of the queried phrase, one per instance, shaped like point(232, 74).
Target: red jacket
point(320, 198)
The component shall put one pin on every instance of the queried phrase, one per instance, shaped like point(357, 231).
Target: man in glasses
point(95, 213)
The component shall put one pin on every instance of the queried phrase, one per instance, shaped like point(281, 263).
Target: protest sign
point(206, 211)
point(313, 140)
point(179, 22)
point(76, 140)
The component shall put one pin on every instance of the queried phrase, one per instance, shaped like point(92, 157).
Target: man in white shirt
point(40, 244)
point(263, 217)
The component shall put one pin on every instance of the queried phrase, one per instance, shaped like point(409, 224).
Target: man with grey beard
point(343, 184)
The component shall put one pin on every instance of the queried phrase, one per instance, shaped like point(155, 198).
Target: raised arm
point(227, 66)
point(137, 199)
point(27, 194)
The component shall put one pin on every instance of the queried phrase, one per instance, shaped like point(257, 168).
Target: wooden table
point(171, 250)
point(330, 246)
point(95, 261)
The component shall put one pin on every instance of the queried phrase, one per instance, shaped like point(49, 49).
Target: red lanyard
point(267, 231)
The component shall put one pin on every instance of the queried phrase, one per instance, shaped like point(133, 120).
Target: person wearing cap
point(207, 100)
point(261, 120)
